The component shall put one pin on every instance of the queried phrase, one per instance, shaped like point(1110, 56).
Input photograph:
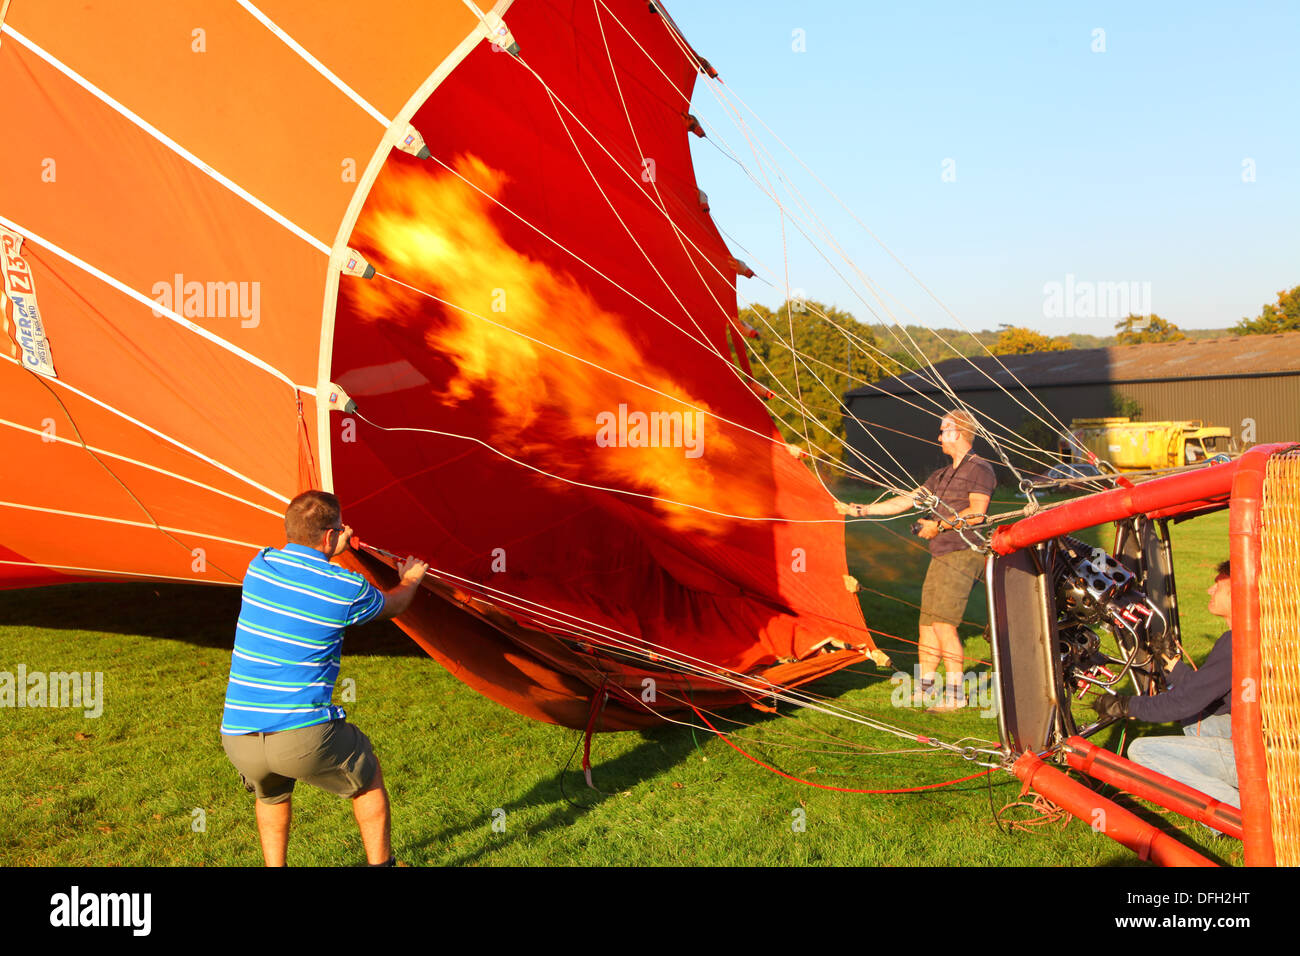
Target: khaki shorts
point(948, 585)
point(334, 756)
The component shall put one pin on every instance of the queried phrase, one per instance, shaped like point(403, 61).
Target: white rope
point(583, 484)
point(687, 663)
point(797, 404)
point(915, 350)
point(685, 48)
point(588, 362)
point(748, 378)
point(935, 377)
point(557, 102)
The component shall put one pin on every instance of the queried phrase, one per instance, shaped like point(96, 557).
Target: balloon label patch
point(20, 314)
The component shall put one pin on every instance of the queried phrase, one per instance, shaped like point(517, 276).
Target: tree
point(842, 360)
point(1139, 329)
point(1017, 340)
point(1126, 406)
point(1282, 316)
point(1042, 438)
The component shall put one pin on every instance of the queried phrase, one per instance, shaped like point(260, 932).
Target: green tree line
point(838, 353)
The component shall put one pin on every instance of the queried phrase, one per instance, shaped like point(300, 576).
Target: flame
point(436, 234)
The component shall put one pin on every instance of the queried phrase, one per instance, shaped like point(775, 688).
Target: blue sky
point(1123, 165)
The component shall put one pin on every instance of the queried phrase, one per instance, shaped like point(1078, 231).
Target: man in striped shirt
point(279, 725)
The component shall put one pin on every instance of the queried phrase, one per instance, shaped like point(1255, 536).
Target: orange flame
point(435, 233)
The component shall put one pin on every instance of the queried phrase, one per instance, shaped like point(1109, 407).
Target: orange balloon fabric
point(615, 525)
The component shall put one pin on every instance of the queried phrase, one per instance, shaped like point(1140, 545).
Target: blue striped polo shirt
point(289, 639)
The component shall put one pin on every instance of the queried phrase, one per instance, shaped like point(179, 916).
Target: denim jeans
point(1202, 759)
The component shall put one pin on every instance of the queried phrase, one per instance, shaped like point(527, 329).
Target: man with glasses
point(1201, 702)
point(279, 725)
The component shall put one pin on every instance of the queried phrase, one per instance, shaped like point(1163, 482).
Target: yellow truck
point(1138, 446)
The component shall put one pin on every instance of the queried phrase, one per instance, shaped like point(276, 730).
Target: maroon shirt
point(954, 487)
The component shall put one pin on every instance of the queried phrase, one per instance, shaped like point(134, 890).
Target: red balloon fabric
point(553, 405)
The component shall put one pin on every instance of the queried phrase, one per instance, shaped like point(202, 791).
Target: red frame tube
point(1204, 486)
point(1239, 483)
point(1247, 722)
point(1147, 841)
point(1111, 768)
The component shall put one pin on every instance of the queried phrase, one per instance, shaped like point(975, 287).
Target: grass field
point(147, 783)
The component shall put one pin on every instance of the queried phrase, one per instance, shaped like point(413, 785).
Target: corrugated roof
point(1225, 357)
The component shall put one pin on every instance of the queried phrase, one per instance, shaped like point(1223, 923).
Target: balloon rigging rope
point(863, 345)
point(558, 102)
point(1010, 439)
point(797, 402)
point(599, 367)
point(679, 236)
point(739, 372)
point(824, 736)
point(732, 735)
point(728, 737)
point(852, 339)
point(857, 749)
point(822, 786)
point(690, 55)
point(937, 378)
point(915, 351)
point(593, 487)
point(555, 99)
point(613, 639)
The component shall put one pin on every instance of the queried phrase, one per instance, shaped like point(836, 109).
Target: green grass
point(123, 788)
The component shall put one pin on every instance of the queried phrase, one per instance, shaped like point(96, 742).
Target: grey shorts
point(335, 756)
point(948, 585)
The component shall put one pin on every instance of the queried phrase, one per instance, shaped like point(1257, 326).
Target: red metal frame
point(1175, 494)
point(1247, 727)
point(1147, 841)
point(1239, 485)
point(1101, 764)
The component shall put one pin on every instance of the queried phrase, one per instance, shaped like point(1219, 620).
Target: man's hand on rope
point(927, 528)
point(412, 570)
point(850, 509)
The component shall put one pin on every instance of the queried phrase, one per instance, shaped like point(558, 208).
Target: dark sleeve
point(1190, 692)
point(985, 481)
point(1179, 673)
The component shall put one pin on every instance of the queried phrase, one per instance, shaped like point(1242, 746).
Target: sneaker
point(922, 692)
point(953, 699)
